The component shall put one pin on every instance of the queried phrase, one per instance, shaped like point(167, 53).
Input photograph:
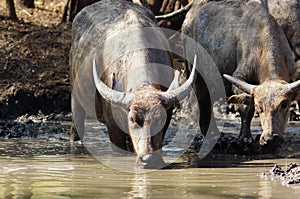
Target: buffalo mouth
point(150, 161)
point(274, 141)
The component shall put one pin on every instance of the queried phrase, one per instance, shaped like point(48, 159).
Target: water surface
point(43, 167)
point(65, 176)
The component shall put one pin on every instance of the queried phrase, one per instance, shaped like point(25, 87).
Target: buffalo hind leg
point(246, 113)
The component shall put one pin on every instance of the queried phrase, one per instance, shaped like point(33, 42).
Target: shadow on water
point(232, 162)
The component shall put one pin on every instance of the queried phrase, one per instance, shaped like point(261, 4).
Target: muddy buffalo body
point(122, 73)
point(253, 54)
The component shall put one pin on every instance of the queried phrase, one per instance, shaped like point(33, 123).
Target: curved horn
point(182, 91)
point(248, 88)
point(294, 86)
point(175, 83)
point(112, 96)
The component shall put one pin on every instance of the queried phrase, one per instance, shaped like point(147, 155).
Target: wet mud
point(291, 175)
point(56, 127)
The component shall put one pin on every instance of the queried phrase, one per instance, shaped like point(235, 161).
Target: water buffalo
point(253, 54)
point(122, 73)
point(287, 15)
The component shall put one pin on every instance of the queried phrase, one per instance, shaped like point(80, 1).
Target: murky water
point(43, 168)
point(64, 176)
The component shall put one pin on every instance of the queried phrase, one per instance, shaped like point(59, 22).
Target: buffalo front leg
point(205, 115)
point(120, 141)
point(205, 104)
point(246, 113)
point(116, 125)
point(78, 118)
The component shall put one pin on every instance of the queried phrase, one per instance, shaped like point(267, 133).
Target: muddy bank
point(289, 176)
point(53, 126)
point(35, 72)
point(56, 127)
point(34, 135)
point(34, 69)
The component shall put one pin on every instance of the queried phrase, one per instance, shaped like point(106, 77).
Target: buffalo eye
point(284, 104)
point(136, 120)
point(258, 109)
point(131, 120)
point(139, 121)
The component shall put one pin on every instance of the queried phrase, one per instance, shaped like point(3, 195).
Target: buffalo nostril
point(146, 158)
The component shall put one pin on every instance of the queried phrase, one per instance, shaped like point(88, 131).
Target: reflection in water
point(140, 187)
point(10, 190)
point(64, 176)
point(265, 191)
point(28, 178)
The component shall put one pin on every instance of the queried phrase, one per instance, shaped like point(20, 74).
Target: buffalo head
point(272, 100)
point(146, 108)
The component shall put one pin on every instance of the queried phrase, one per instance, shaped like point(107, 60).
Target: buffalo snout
point(150, 161)
point(271, 141)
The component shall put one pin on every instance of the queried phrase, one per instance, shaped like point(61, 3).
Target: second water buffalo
point(253, 54)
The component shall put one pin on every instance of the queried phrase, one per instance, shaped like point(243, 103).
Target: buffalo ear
point(244, 98)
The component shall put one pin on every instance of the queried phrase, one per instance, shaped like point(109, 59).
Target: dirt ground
point(34, 71)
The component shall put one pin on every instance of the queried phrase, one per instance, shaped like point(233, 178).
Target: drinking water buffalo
point(253, 54)
point(122, 73)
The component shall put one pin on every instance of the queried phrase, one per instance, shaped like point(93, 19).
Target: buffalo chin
point(150, 161)
point(270, 146)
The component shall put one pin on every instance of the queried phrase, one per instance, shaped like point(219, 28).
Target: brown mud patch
point(34, 72)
